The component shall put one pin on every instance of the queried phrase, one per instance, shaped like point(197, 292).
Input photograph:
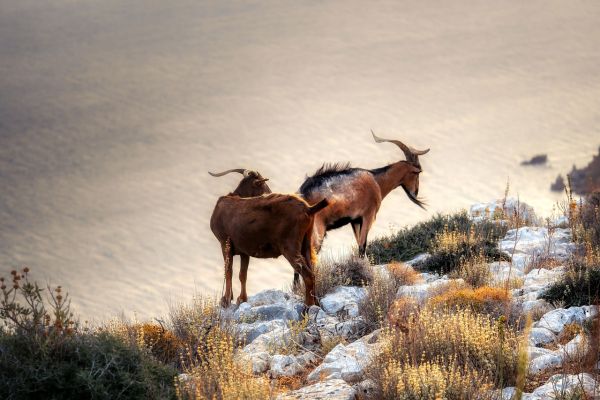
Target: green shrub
point(44, 354)
point(82, 366)
point(580, 285)
point(443, 261)
point(409, 242)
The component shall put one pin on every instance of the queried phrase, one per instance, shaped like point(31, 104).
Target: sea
point(112, 112)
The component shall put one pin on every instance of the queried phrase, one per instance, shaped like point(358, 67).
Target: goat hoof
point(225, 302)
point(241, 300)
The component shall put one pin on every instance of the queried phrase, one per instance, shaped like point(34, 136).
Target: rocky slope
point(279, 342)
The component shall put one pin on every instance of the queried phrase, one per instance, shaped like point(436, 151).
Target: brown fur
point(357, 193)
point(266, 227)
point(358, 197)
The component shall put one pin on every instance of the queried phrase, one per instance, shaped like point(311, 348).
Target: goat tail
point(315, 208)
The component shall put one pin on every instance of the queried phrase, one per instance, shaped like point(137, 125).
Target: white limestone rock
point(531, 304)
point(578, 346)
point(332, 389)
point(483, 211)
point(541, 336)
point(260, 360)
point(269, 341)
point(535, 241)
point(283, 365)
point(502, 270)
point(544, 363)
point(556, 320)
point(270, 296)
point(344, 299)
point(418, 259)
point(250, 331)
point(347, 362)
point(538, 279)
point(560, 385)
point(269, 312)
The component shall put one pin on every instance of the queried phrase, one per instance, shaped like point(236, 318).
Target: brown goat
point(251, 185)
point(357, 193)
point(265, 227)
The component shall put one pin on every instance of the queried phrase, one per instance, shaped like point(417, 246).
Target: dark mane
point(325, 172)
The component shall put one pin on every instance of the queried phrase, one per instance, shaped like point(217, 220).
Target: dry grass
point(381, 293)
point(432, 380)
point(293, 343)
point(161, 342)
point(332, 272)
point(474, 271)
point(191, 324)
point(489, 300)
point(444, 342)
point(403, 274)
point(215, 373)
point(401, 311)
point(329, 342)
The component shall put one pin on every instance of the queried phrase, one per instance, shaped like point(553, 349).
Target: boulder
point(556, 320)
point(344, 299)
point(270, 296)
point(284, 365)
point(347, 362)
point(333, 389)
point(578, 346)
point(483, 211)
point(418, 259)
point(535, 241)
point(541, 336)
point(250, 331)
point(544, 363)
point(559, 385)
point(259, 360)
point(532, 303)
point(268, 312)
point(268, 342)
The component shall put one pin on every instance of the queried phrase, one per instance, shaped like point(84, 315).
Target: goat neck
point(391, 177)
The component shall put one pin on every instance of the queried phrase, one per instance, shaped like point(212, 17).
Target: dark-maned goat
point(265, 227)
point(356, 193)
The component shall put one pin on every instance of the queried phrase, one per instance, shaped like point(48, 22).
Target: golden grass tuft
point(474, 271)
point(216, 373)
point(486, 299)
point(446, 343)
point(403, 274)
point(381, 293)
point(432, 380)
point(401, 311)
point(449, 240)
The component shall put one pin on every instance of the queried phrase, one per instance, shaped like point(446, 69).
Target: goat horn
point(409, 152)
point(239, 170)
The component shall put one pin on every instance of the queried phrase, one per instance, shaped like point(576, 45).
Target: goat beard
point(413, 198)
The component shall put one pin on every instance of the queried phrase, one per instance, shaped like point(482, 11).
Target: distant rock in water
point(583, 181)
point(558, 185)
point(540, 159)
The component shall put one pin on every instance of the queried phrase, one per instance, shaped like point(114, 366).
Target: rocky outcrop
point(265, 322)
point(333, 389)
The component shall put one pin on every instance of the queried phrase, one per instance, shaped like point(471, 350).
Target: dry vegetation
point(381, 293)
point(441, 353)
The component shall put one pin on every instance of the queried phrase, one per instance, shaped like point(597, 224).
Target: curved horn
point(410, 153)
point(239, 170)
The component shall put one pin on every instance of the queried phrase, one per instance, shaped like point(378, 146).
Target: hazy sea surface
point(111, 112)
